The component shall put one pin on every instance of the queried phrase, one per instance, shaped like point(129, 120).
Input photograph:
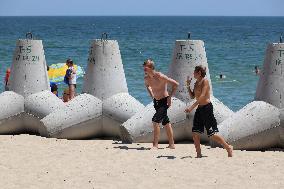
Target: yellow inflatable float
point(57, 72)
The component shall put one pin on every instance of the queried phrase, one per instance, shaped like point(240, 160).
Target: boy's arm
point(172, 82)
point(174, 85)
point(149, 89)
point(204, 89)
point(191, 93)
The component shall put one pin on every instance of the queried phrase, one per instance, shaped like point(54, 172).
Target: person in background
point(53, 85)
point(222, 76)
point(256, 70)
point(7, 76)
point(67, 74)
point(71, 74)
point(65, 96)
point(54, 88)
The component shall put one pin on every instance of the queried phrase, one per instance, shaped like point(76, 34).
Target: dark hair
point(149, 62)
point(200, 69)
point(69, 61)
point(53, 87)
point(47, 67)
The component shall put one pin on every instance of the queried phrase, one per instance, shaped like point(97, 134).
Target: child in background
point(8, 71)
point(71, 74)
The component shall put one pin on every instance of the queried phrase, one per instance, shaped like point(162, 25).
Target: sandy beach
point(34, 162)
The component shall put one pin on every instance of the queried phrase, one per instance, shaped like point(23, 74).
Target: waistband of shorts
point(203, 106)
point(162, 99)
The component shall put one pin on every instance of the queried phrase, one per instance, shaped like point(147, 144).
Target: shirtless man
point(204, 113)
point(156, 84)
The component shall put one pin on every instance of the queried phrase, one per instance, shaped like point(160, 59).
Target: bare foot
point(230, 151)
point(154, 148)
point(198, 155)
point(172, 146)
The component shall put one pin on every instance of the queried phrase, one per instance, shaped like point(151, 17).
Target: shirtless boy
point(156, 84)
point(204, 113)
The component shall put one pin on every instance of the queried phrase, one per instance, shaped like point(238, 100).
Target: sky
point(141, 7)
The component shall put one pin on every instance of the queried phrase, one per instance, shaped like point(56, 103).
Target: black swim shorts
point(161, 107)
point(204, 117)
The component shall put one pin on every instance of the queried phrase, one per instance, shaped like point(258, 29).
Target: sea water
point(234, 46)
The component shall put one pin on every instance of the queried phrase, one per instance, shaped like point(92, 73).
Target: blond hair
point(150, 63)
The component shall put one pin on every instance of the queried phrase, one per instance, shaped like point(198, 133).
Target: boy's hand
point(188, 110)
point(188, 81)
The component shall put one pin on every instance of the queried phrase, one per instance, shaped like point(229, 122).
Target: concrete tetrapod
point(105, 79)
point(139, 127)
point(270, 86)
point(11, 113)
point(79, 119)
point(253, 127)
point(186, 55)
point(105, 74)
point(88, 117)
point(116, 110)
point(108, 102)
point(280, 142)
point(28, 70)
point(38, 106)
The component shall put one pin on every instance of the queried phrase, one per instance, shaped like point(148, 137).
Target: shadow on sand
point(167, 157)
point(131, 148)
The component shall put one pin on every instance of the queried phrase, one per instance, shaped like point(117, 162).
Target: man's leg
point(156, 134)
point(170, 135)
point(221, 141)
point(196, 139)
point(72, 91)
point(211, 127)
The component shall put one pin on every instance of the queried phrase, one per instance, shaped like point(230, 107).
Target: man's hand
point(188, 110)
point(188, 81)
point(169, 101)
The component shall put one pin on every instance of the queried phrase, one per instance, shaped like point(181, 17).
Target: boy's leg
point(156, 134)
point(170, 135)
point(212, 129)
point(196, 139)
point(221, 141)
point(71, 91)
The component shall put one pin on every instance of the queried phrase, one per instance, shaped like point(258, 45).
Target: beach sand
point(28, 161)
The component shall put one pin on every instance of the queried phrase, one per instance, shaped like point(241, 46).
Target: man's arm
point(172, 82)
point(174, 85)
point(204, 89)
point(191, 93)
point(149, 89)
